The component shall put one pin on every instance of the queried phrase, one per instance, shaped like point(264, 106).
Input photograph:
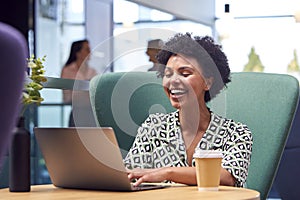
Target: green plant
point(254, 64)
point(31, 93)
point(294, 65)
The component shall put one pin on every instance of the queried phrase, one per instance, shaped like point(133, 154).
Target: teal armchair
point(124, 100)
point(265, 102)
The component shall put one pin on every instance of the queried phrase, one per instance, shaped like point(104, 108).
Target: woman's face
point(183, 81)
point(84, 52)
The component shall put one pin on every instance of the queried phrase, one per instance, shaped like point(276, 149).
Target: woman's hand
point(184, 175)
point(148, 175)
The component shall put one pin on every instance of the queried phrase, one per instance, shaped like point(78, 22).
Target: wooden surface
point(50, 192)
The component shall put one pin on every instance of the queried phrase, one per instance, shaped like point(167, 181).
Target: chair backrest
point(124, 100)
point(13, 54)
point(265, 102)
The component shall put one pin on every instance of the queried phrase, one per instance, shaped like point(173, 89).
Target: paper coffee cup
point(208, 169)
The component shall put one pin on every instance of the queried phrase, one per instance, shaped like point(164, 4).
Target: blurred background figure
point(77, 68)
point(154, 46)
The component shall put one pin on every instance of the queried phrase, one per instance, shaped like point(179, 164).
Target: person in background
point(195, 71)
point(77, 67)
point(154, 46)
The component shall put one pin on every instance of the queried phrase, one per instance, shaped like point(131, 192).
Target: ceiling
point(206, 11)
point(202, 11)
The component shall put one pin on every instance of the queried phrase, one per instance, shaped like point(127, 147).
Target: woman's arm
point(184, 175)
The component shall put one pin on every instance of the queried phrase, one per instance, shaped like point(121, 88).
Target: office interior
point(262, 31)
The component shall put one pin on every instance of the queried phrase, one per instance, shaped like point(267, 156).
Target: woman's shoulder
point(91, 73)
point(68, 71)
point(231, 125)
point(70, 66)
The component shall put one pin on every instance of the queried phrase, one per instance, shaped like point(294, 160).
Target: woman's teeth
point(177, 91)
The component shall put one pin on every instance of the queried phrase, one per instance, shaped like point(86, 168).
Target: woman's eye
point(185, 74)
point(168, 75)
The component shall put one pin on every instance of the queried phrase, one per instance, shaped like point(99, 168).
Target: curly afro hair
point(208, 54)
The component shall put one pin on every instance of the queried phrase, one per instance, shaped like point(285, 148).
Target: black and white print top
point(159, 143)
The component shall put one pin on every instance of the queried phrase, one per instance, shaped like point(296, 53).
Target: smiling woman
point(195, 70)
point(183, 81)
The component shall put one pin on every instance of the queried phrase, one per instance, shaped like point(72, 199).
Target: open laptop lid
point(83, 158)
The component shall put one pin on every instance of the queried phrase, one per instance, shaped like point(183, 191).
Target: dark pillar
point(19, 14)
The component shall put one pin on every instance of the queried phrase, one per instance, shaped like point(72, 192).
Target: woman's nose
point(175, 78)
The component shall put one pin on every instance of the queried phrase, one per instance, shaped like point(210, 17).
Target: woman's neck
point(194, 120)
point(193, 124)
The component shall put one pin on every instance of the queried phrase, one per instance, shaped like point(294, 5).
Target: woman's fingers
point(147, 175)
point(139, 181)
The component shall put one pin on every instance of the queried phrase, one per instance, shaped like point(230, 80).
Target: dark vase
point(19, 159)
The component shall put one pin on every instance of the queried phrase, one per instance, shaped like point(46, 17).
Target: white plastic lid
point(199, 153)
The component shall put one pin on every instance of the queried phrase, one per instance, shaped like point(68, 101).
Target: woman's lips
point(177, 93)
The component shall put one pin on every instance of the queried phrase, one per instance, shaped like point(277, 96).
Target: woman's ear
point(209, 81)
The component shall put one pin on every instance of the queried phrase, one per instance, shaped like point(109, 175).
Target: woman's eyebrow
point(186, 68)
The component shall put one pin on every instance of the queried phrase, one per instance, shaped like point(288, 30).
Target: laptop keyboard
point(147, 187)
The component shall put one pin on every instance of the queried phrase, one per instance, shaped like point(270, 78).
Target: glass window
point(269, 27)
point(133, 30)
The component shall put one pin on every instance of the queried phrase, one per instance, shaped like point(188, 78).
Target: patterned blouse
point(159, 143)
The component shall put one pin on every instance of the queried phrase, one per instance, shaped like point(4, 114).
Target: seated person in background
point(195, 70)
point(154, 46)
point(77, 67)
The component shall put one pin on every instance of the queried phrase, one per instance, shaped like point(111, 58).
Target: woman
point(77, 67)
point(195, 71)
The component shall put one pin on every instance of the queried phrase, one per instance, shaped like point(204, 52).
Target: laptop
point(85, 158)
